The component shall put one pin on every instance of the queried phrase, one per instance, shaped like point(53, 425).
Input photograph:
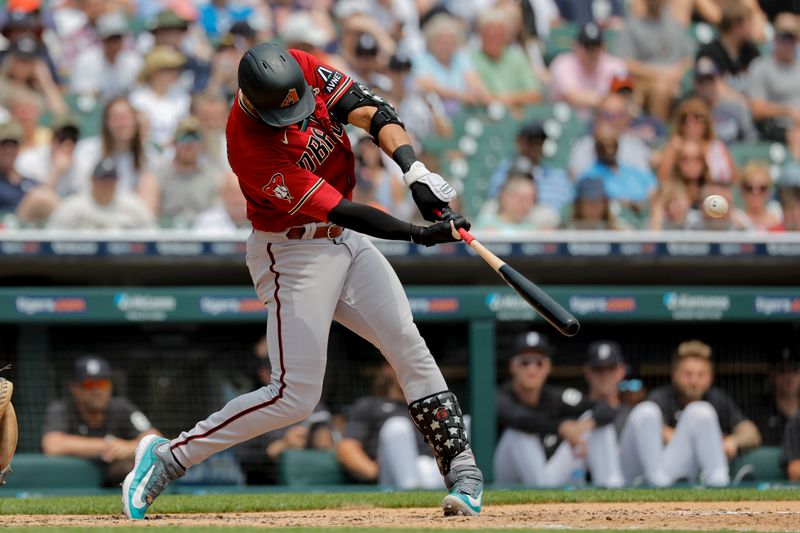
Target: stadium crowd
point(623, 114)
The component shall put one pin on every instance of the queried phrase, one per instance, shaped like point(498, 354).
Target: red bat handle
point(465, 235)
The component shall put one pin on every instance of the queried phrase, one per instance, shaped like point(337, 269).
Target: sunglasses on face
point(96, 384)
point(531, 360)
point(754, 188)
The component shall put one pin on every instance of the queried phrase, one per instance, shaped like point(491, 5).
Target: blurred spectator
point(211, 111)
point(224, 69)
point(76, 24)
point(517, 209)
point(24, 67)
point(710, 11)
point(121, 138)
point(108, 69)
point(227, 217)
point(640, 124)
point(733, 50)
point(761, 212)
point(368, 61)
point(445, 68)
point(301, 30)
point(774, 83)
point(26, 107)
point(630, 186)
point(93, 423)
point(732, 118)
point(672, 208)
point(217, 16)
point(172, 30)
point(657, 52)
point(189, 182)
point(582, 78)
point(502, 67)
point(773, 410)
point(693, 123)
point(614, 111)
point(553, 187)
point(604, 13)
point(375, 184)
point(160, 98)
point(686, 427)
point(380, 442)
point(691, 170)
point(591, 209)
point(546, 431)
point(17, 23)
point(398, 19)
point(791, 449)
point(789, 196)
point(428, 111)
point(730, 221)
point(103, 207)
point(53, 164)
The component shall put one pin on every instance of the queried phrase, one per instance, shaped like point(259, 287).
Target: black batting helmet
point(272, 80)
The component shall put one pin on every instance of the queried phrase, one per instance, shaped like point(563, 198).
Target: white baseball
point(715, 206)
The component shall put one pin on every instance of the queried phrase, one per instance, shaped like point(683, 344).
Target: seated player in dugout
point(311, 263)
point(93, 423)
point(380, 443)
point(687, 428)
point(546, 432)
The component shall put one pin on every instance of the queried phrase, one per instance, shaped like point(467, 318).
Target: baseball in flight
point(715, 206)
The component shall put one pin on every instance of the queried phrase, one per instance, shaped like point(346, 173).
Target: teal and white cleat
point(465, 483)
point(154, 468)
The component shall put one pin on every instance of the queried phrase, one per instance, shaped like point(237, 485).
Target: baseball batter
point(311, 263)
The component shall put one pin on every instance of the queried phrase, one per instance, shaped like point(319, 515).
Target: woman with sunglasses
point(693, 123)
point(761, 211)
point(690, 169)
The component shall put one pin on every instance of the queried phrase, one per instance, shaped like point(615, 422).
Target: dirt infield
point(708, 516)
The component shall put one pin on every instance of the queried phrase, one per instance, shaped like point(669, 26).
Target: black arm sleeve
point(370, 221)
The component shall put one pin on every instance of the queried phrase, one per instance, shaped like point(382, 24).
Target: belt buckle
point(328, 231)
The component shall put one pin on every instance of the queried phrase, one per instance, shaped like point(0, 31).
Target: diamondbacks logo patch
point(277, 188)
point(291, 98)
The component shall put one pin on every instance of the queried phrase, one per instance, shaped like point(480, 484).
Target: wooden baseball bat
point(543, 303)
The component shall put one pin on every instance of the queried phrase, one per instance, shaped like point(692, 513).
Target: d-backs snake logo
point(277, 188)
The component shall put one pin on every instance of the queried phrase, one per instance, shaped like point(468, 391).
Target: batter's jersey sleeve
point(791, 440)
point(329, 83)
point(271, 177)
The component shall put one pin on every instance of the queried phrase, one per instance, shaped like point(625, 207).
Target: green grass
point(273, 501)
point(169, 529)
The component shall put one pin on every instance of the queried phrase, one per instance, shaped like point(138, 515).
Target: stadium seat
point(761, 464)
point(309, 468)
point(560, 40)
point(37, 471)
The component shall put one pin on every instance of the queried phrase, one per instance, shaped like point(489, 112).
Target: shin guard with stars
point(438, 417)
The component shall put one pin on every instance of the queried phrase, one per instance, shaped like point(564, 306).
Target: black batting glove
point(440, 232)
point(427, 202)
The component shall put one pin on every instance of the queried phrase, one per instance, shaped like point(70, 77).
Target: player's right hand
point(441, 232)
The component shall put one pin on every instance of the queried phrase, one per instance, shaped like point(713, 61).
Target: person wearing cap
point(774, 83)
point(773, 409)
point(583, 76)
point(545, 430)
point(53, 164)
point(657, 52)
point(687, 427)
point(75, 27)
point(516, 209)
point(789, 197)
point(591, 209)
point(103, 206)
point(93, 423)
point(732, 119)
point(161, 98)
point(109, 68)
point(626, 184)
point(188, 182)
point(24, 68)
point(171, 29)
point(604, 13)
point(604, 371)
point(367, 60)
point(614, 110)
point(553, 186)
point(504, 69)
point(733, 51)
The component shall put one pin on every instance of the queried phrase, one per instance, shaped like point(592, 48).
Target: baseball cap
point(188, 127)
point(591, 189)
point(604, 353)
point(160, 58)
point(105, 169)
point(787, 358)
point(91, 367)
point(590, 35)
point(25, 6)
point(242, 29)
point(20, 20)
point(532, 342)
point(705, 68)
point(399, 62)
point(168, 20)
point(621, 83)
point(531, 131)
point(67, 123)
point(112, 24)
point(366, 45)
point(10, 130)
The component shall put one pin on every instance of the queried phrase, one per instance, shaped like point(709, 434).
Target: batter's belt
point(330, 231)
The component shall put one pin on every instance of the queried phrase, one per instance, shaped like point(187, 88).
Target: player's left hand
point(430, 191)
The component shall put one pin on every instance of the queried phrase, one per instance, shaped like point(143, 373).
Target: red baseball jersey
point(291, 177)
